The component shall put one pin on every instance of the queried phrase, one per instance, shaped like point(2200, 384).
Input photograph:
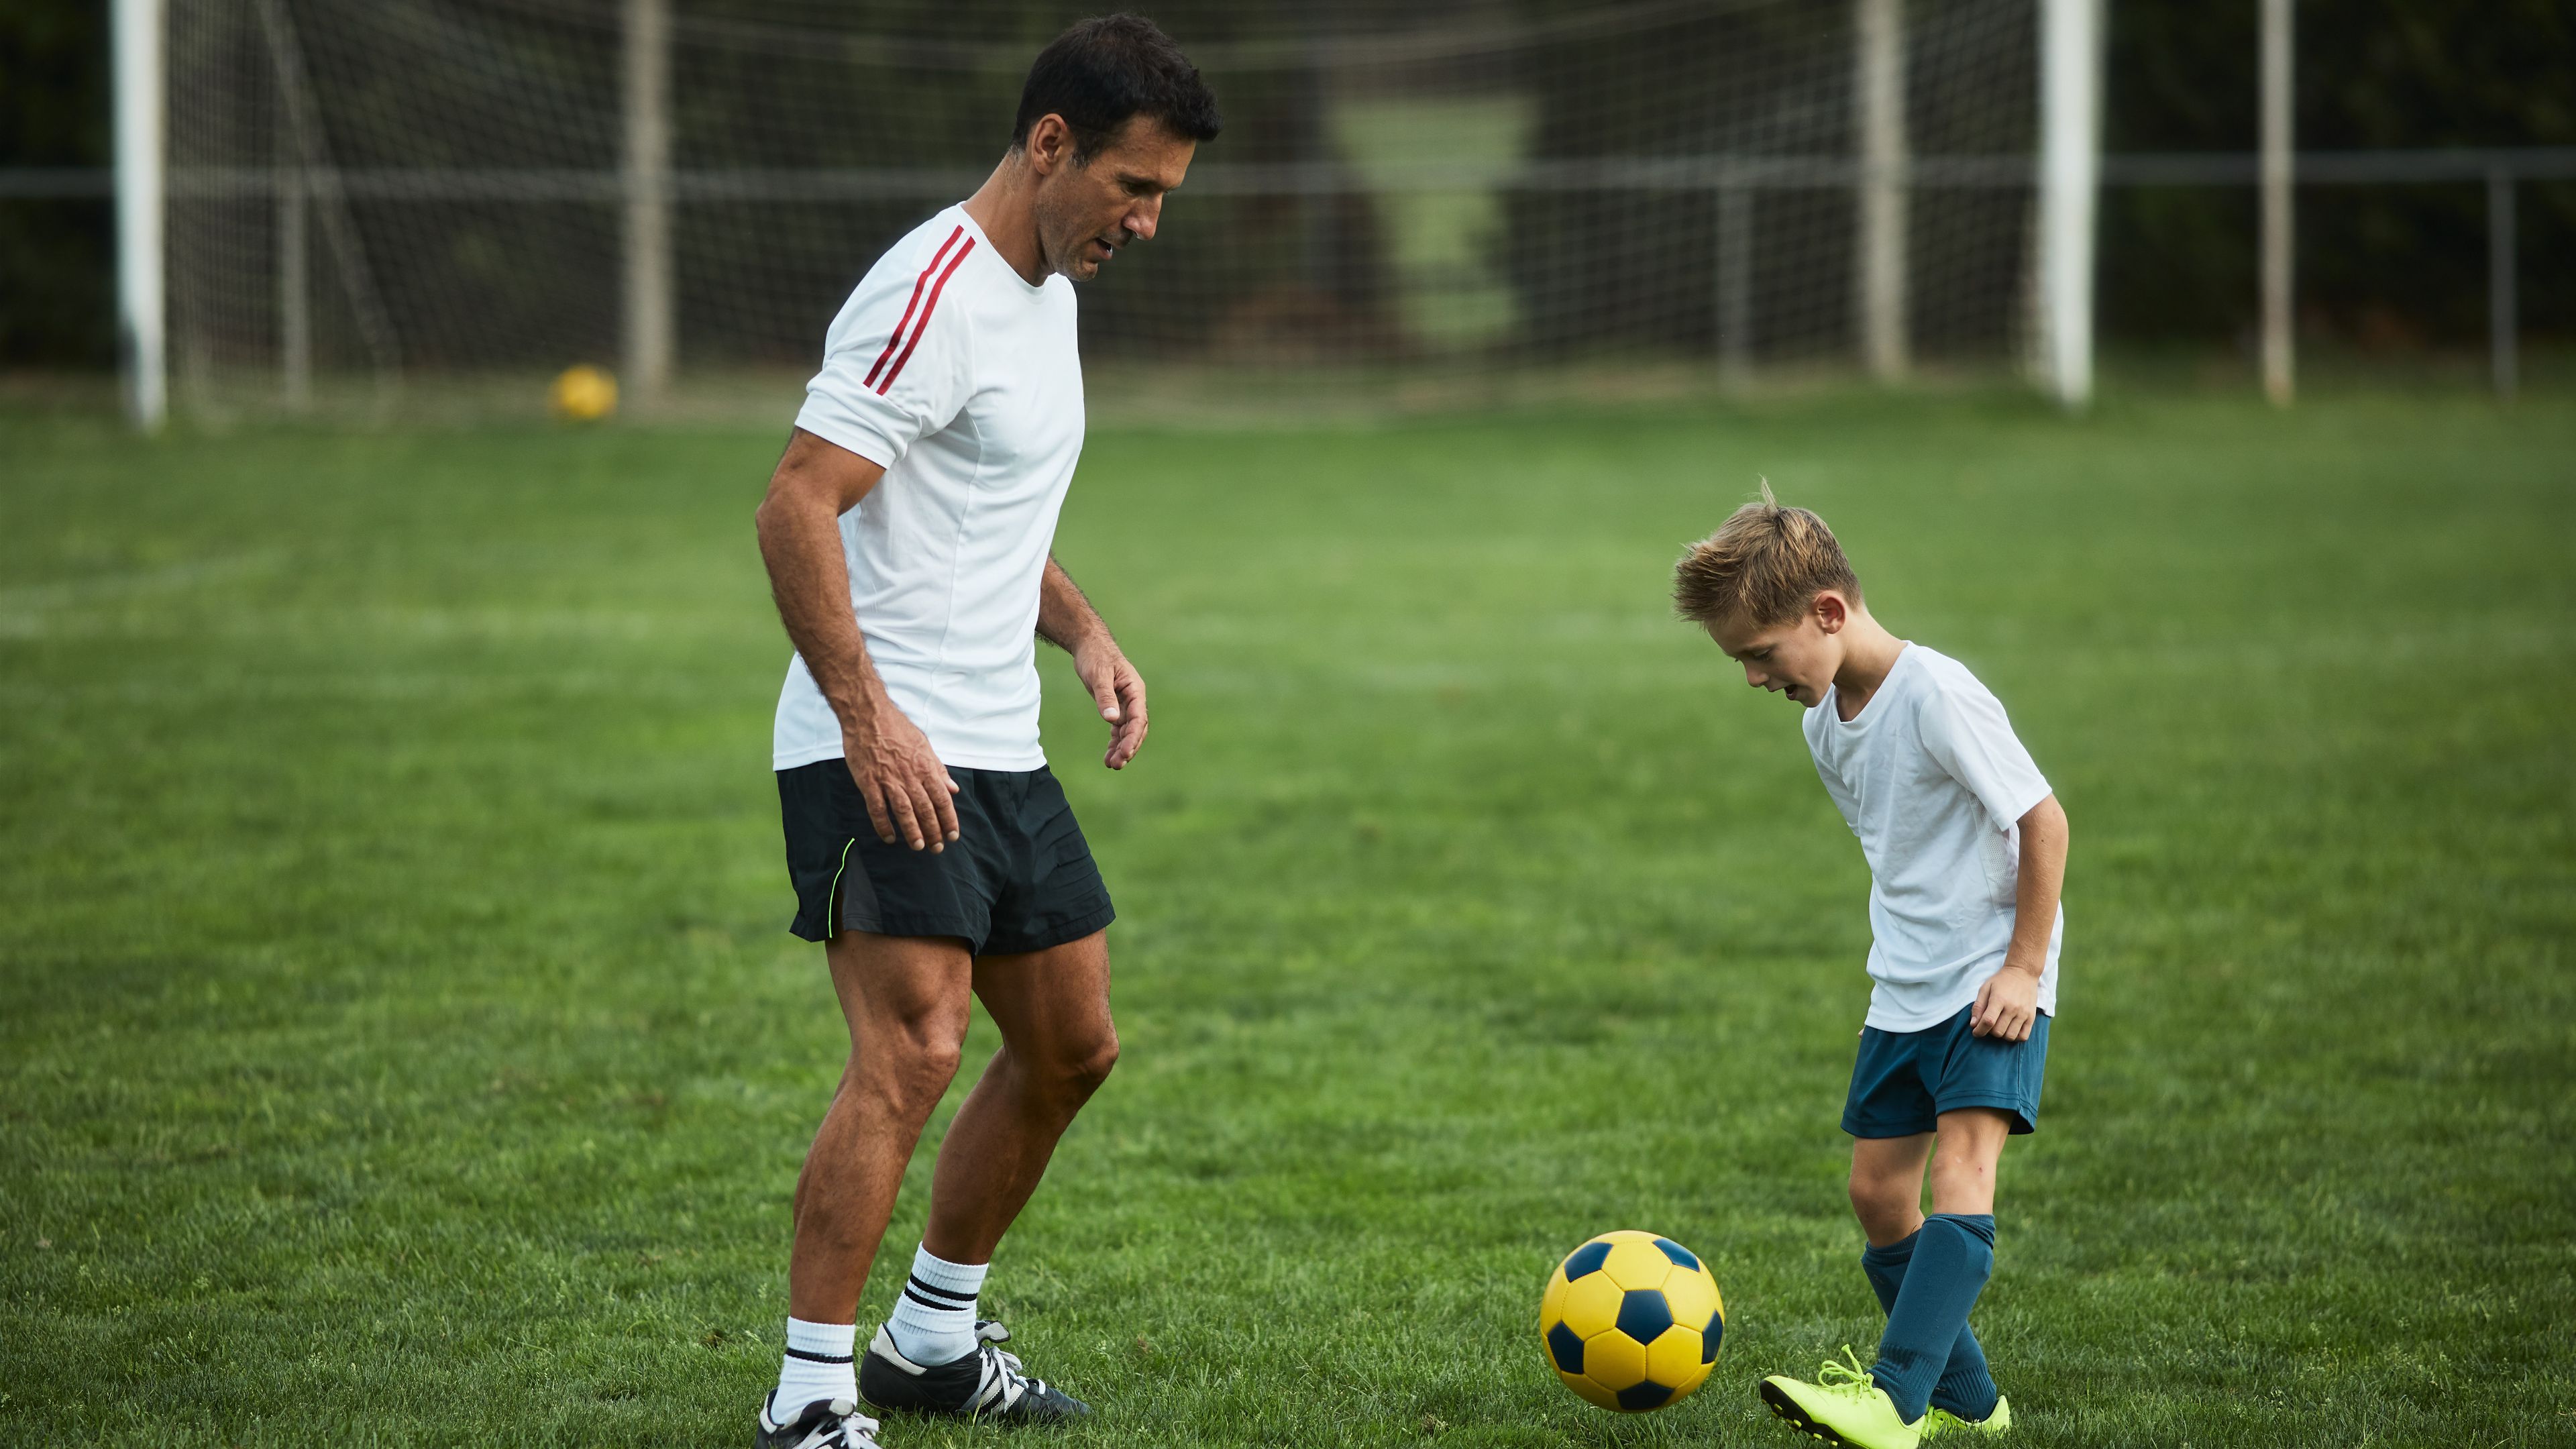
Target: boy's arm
point(2009, 1001)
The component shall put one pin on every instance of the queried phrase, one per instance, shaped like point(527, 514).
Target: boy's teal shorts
point(1904, 1080)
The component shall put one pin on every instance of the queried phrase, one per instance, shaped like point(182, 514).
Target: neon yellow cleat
point(1942, 1421)
point(1844, 1406)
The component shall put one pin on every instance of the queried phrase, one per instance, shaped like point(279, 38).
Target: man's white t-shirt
point(965, 383)
point(1934, 782)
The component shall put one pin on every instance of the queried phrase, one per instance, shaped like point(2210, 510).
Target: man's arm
point(1067, 621)
point(2009, 1001)
point(905, 786)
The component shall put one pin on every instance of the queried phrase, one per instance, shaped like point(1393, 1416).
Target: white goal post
point(2071, 54)
point(135, 39)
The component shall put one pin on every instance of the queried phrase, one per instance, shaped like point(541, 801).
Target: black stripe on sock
point(963, 1300)
point(822, 1357)
point(933, 1304)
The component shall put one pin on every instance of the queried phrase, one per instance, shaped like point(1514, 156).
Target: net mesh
point(391, 203)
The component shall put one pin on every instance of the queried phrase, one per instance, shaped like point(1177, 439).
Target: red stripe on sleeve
point(936, 288)
point(917, 284)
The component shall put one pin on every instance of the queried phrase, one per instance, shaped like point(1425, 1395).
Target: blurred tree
point(57, 303)
point(2381, 265)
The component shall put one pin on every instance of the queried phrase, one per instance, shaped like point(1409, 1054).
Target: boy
point(1967, 849)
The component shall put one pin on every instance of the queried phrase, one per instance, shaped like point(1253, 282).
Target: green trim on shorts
point(832, 907)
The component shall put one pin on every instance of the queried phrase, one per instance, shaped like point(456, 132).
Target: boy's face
point(1798, 659)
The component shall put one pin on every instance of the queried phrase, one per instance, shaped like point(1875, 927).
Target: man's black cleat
point(985, 1384)
point(822, 1424)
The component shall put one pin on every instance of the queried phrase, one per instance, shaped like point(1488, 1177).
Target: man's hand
point(1067, 620)
point(2007, 1005)
point(1119, 691)
point(906, 787)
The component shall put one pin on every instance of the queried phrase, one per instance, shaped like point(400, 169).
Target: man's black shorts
point(1019, 876)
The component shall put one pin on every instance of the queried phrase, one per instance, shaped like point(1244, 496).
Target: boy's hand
point(2006, 1005)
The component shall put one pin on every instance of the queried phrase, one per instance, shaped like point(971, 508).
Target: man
point(906, 533)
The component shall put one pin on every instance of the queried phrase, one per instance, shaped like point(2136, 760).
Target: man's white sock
point(934, 1321)
point(818, 1365)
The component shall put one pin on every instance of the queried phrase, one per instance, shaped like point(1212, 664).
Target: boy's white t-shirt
point(965, 383)
point(1934, 782)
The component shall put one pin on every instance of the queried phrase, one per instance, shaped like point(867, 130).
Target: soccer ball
point(1631, 1321)
point(583, 394)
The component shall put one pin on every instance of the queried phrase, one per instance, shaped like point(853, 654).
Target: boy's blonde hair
point(1765, 564)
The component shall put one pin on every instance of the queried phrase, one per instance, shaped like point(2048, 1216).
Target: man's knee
point(1071, 1073)
point(910, 1064)
point(1091, 1068)
point(929, 1066)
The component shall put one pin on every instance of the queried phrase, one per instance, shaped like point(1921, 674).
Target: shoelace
point(858, 1431)
point(1847, 1377)
point(855, 1431)
point(1001, 1384)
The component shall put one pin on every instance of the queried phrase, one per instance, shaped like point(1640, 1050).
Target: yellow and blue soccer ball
point(1632, 1321)
point(582, 394)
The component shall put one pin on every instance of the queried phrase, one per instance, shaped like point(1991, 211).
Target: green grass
point(400, 1042)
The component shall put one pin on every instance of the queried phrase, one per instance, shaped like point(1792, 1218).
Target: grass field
point(400, 1042)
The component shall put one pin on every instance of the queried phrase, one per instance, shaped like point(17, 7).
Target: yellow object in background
point(583, 393)
point(1631, 1321)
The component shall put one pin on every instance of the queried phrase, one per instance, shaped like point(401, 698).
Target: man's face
point(1086, 212)
point(1797, 659)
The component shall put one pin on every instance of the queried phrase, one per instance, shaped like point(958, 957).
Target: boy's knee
point(1963, 1165)
point(1962, 1185)
point(1885, 1204)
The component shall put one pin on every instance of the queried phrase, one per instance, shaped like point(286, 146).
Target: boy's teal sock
point(1965, 1388)
point(1949, 1260)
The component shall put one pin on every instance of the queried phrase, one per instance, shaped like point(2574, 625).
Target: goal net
point(436, 204)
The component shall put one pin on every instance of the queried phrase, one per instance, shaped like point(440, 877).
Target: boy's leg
point(1952, 1256)
point(1887, 1195)
point(1887, 1185)
point(1966, 1387)
point(1970, 1143)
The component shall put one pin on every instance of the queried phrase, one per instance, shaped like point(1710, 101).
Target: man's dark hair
point(1107, 69)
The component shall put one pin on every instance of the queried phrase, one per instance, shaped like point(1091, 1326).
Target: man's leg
point(1927, 1345)
point(1058, 1044)
point(906, 1001)
point(1052, 1007)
